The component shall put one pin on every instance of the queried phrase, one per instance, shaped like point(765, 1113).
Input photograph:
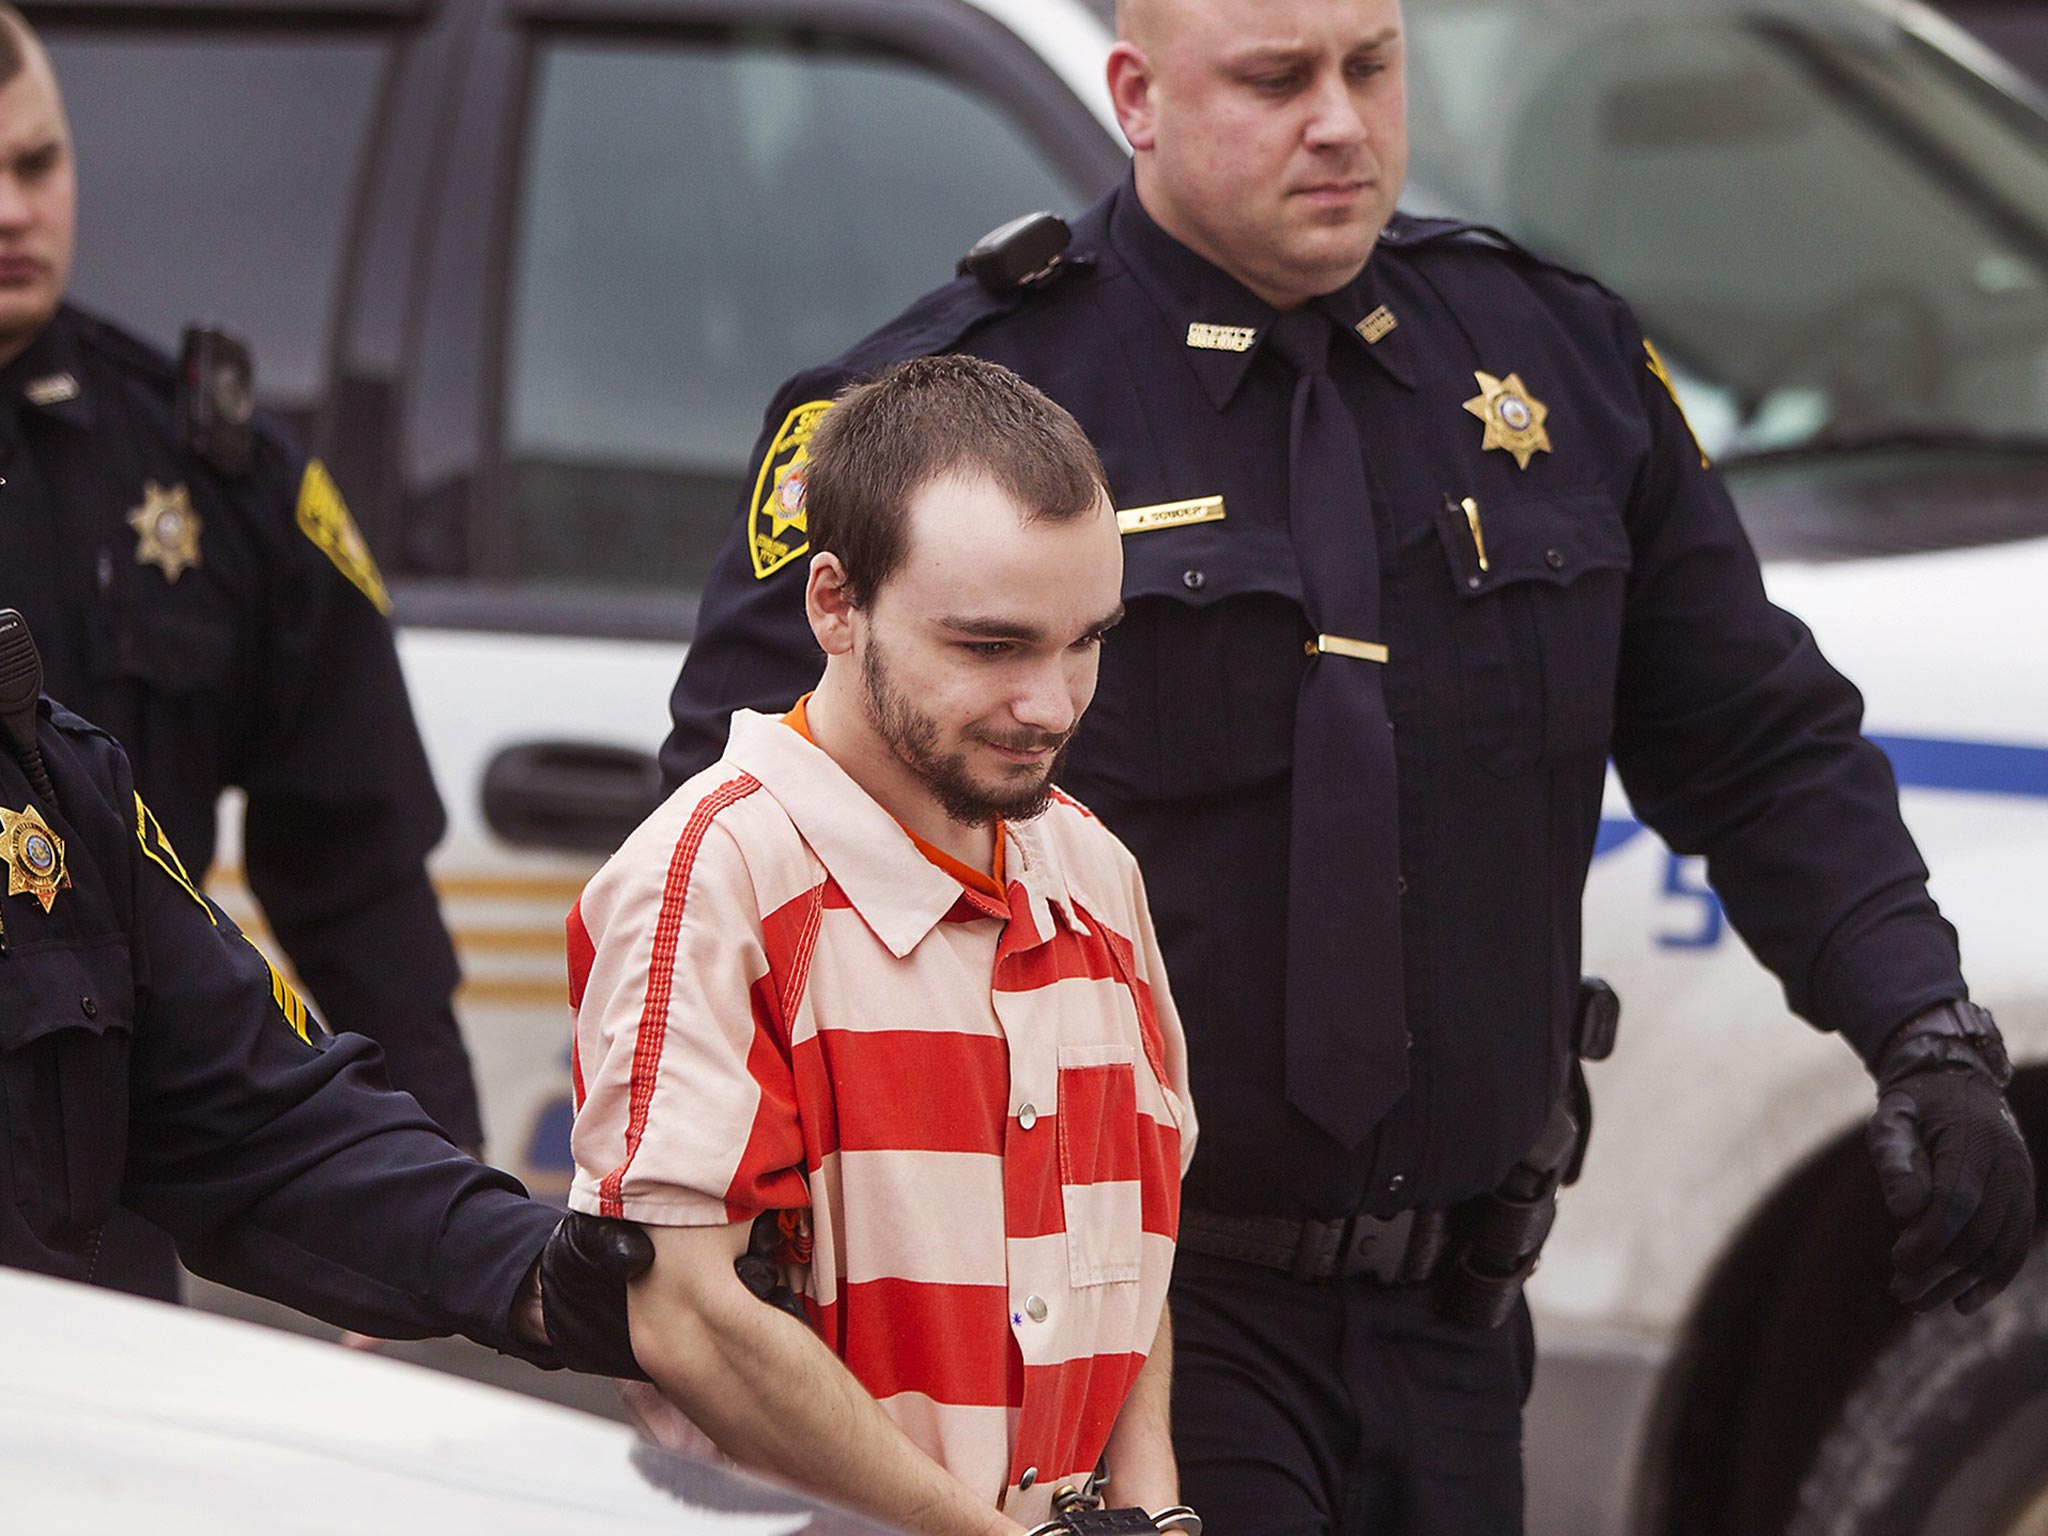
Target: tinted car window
point(216, 175)
point(700, 220)
point(2015, 29)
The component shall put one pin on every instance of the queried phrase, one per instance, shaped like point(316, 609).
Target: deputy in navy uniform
point(1416, 537)
point(150, 1055)
point(207, 598)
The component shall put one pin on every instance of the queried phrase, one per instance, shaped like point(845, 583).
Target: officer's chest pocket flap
point(1209, 562)
point(1539, 629)
point(1101, 1191)
point(49, 987)
point(66, 1010)
point(171, 651)
point(1199, 682)
point(1554, 540)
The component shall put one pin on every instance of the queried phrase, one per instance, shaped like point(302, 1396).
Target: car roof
point(119, 1415)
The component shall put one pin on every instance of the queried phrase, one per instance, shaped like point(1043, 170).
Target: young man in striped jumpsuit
point(872, 977)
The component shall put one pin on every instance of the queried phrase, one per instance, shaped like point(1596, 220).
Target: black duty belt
point(1406, 1248)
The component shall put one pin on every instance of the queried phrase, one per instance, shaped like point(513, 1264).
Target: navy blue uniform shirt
point(265, 662)
point(1619, 610)
point(150, 1055)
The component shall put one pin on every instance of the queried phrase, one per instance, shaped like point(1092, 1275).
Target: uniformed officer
point(210, 602)
point(150, 1055)
point(1417, 536)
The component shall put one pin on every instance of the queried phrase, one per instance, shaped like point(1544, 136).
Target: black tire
point(1947, 1433)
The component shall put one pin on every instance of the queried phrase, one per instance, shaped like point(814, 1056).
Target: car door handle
point(579, 796)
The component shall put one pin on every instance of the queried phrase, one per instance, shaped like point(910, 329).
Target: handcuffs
point(1078, 1511)
point(1120, 1522)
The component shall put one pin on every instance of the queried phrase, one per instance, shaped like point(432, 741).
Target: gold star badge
point(1514, 417)
point(166, 529)
point(34, 855)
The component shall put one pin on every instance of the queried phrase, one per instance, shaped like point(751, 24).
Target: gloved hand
point(583, 1273)
point(1951, 1161)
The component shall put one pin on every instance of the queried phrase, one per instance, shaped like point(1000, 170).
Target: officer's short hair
point(884, 441)
point(16, 38)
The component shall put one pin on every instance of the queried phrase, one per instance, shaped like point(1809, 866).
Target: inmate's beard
point(914, 737)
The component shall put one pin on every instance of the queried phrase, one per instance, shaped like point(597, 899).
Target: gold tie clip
point(1339, 645)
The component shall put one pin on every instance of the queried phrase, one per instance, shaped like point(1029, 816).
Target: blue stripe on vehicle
point(1975, 767)
point(1614, 831)
point(1920, 762)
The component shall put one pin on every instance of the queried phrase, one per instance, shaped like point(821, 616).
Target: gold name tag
point(1171, 514)
point(1222, 338)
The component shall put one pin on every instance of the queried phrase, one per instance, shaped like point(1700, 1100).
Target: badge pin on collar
point(1514, 418)
point(34, 856)
point(166, 529)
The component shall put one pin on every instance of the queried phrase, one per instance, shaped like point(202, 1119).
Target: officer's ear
point(829, 604)
point(1130, 93)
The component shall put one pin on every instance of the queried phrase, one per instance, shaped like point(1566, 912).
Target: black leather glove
point(583, 1273)
point(759, 1272)
point(1951, 1161)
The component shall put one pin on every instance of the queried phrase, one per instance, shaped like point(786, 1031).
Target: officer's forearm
point(1142, 1470)
point(773, 1397)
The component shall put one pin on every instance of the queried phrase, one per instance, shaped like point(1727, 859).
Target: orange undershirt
point(989, 883)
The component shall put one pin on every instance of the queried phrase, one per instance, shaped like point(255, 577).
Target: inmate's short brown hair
point(884, 441)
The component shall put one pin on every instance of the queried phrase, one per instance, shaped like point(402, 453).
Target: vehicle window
point(217, 173)
point(2016, 30)
point(1827, 235)
point(700, 220)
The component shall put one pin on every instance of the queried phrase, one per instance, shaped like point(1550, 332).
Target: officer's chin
point(26, 310)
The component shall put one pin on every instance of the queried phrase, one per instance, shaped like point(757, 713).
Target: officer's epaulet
point(125, 350)
point(1407, 232)
point(70, 724)
point(1014, 265)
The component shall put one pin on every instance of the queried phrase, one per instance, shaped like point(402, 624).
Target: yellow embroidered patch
point(1664, 377)
point(290, 1005)
point(157, 847)
point(776, 530)
point(324, 518)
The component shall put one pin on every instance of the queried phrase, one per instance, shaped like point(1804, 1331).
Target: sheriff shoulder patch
point(324, 519)
point(776, 531)
point(1664, 377)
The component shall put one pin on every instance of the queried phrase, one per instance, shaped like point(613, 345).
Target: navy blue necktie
point(1347, 1034)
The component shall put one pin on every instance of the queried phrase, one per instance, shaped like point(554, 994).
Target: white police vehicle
point(527, 271)
point(119, 1416)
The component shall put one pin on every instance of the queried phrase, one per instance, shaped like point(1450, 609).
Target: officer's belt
point(1406, 1248)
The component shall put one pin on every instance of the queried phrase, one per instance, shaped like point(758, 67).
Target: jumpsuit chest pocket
point(66, 1021)
point(1538, 629)
point(1101, 1194)
point(1198, 684)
